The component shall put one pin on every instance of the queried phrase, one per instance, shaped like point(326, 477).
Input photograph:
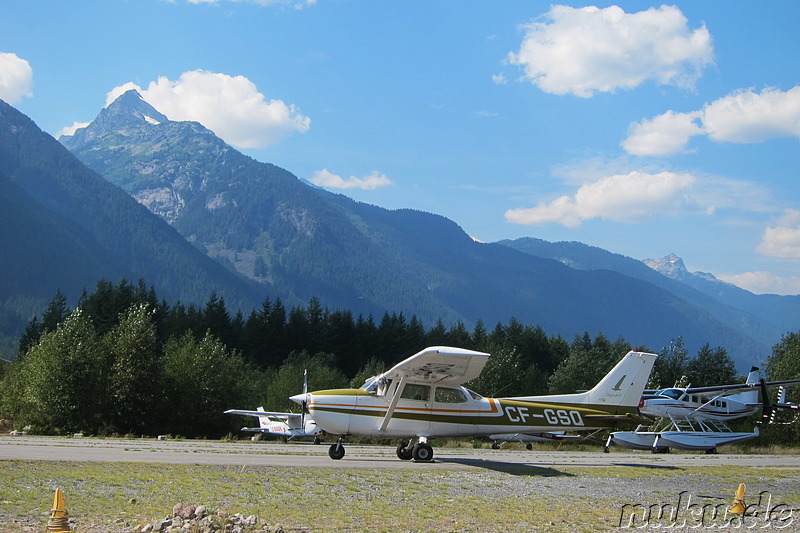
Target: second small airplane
point(423, 397)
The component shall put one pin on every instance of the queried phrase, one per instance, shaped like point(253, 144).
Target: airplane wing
point(269, 414)
point(741, 387)
point(440, 364)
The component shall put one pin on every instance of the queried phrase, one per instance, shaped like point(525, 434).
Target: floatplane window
point(447, 395)
point(416, 392)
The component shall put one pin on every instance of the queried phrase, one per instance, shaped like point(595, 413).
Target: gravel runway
point(587, 479)
point(357, 456)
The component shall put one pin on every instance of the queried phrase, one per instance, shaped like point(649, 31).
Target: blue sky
point(641, 128)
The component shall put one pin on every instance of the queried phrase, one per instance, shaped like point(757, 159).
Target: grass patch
point(115, 497)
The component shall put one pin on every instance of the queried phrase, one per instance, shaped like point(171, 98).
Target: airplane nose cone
point(298, 398)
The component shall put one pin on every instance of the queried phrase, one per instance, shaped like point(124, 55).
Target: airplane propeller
point(304, 404)
point(770, 409)
point(767, 409)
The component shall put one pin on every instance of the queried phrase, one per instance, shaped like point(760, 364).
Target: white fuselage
point(677, 404)
point(444, 413)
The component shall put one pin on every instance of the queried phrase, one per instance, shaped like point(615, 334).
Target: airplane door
point(415, 409)
point(448, 406)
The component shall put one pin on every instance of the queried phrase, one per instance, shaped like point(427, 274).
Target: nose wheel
point(336, 451)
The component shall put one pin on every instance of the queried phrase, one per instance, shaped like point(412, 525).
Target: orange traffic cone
point(738, 501)
point(59, 521)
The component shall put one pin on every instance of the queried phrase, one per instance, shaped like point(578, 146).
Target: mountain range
point(188, 213)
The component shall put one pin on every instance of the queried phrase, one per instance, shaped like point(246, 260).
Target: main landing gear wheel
point(404, 452)
point(336, 451)
point(422, 451)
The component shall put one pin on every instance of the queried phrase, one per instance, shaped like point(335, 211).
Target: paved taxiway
point(247, 453)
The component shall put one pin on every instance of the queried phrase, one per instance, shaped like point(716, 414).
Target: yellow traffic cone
point(59, 521)
point(738, 501)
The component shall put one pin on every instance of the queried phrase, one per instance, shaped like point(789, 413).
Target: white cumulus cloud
point(622, 197)
point(70, 130)
point(584, 50)
point(230, 106)
point(324, 178)
point(749, 117)
point(744, 116)
point(662, 135)
point(16, 78)
point(761, 282)
point(783, 238)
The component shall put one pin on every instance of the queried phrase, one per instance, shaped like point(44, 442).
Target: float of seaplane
point(695, 418)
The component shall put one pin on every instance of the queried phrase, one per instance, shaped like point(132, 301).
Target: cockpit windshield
point(371, 385)
point(475, 395)
point(670, 393)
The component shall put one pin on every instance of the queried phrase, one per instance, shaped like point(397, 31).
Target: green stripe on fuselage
point(522, 414)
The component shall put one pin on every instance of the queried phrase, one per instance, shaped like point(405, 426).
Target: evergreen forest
point(121, 362)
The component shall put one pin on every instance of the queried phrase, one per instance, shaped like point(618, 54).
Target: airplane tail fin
point(263, 421)
point(750, 397)
point(625, 383)
point(621, 387)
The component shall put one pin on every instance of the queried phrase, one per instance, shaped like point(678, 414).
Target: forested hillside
point(124, 362)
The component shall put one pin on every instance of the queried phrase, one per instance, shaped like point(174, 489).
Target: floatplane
point(695, 418)
point(423, 397)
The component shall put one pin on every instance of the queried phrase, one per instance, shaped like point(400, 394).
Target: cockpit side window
point(416, 392)
point(448, 395)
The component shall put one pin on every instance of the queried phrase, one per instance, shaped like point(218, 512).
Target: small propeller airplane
point(694, 418)
point(719, 402)
point(422, 397)
point(289, 425)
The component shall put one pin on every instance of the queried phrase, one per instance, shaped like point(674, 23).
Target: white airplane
point(720, 402)
point(423, 397)
point(693, 418)
point(289, 425)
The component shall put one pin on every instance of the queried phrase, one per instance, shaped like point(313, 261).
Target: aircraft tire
point(529, 446)
point(422, 452)
point(495, 445)
point(317, 440)
point(336, 451)
point(404, 452)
